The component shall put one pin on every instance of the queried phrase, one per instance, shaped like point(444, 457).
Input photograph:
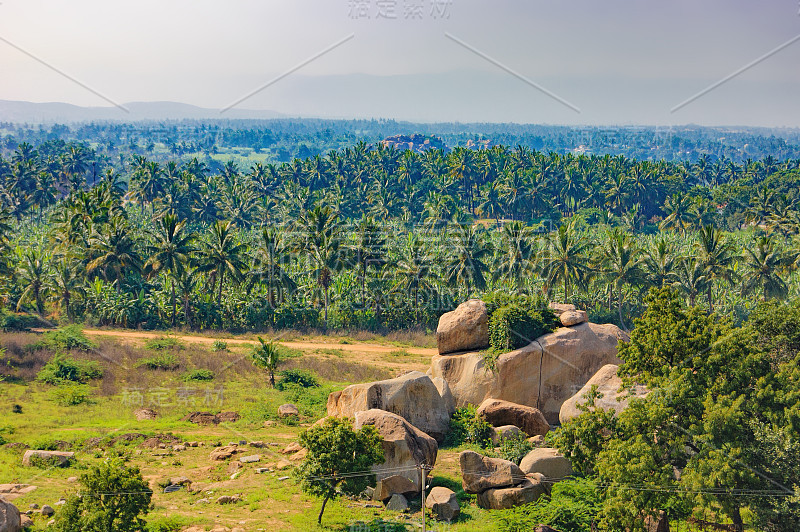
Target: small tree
point(337, 457)
point(113, 498)
point(267, 356)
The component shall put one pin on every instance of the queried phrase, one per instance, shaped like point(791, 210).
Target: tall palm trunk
point(174, 303)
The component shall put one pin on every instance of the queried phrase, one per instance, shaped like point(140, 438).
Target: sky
point(609, 62)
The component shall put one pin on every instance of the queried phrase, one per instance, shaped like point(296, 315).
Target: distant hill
point(31, 112)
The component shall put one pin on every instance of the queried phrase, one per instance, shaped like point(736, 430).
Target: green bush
point(17, 322)
point(514, 326)
point(515, 449)
point(466, 426)
point(164, 361)
point(62, 369)
point(573, 506)
point(163, 343)
point(219, 345)
point(310, 401)
point(66, 338)
point(198, 375)
point(72, 395)
point(302, 378)
point(295, 316)
point(172, 523)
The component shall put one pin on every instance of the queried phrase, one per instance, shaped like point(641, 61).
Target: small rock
point(506, 432)
point(25, 522)
point(388, 486)
point(51, 522)
point(443, 503)
point(58, 458)
point(203, 501)
point(60, 502)
point(291, 448)
point(235, 475)
point(547, 461)
point(180, 481)
point(178, 447)
point(250, 459)
point(143, 414)
point(262, 470)
point(398, 503)
point(47, 510)
point(571, 318)
point(283, 478)
point(299, 455)
point(537, 440)
point(34, 506)
point(288, 410)
point(270, 423)
point(223, 453)
point(283, 464)
point(227, 499)
point(258, 444)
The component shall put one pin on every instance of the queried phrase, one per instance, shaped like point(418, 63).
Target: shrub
point(61, 369)
point(172, 523)
point(163, 343)
point(114, 497)
point(66, 338)
point(72, 395)
point(198, 375)
point(573, 506)
point(296, 316)
point(466, 426)
point(164, 361)
point(514, 326)
point(515, 449)
point(300, 377)
point(311, 401)
point(17, 322)
point(219, 345)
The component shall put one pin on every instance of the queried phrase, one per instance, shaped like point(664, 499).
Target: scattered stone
point(57, 458)
point(203, 501)
point(33, 506)
point(270, 423)
point(283, 464)
point(560, 308)
point(537, 440)
point(227, 499)
point(250, 459)
point(292, 448)
point(443, 503)
point(172, 488)
point(547, 461)
point(404, 445)
point(236, 475)
point(25, 522)
point(397, 503)
point(10, 519)
point(72, 479)
point(573, 317)
point(51, 522)
point(299, 455)
point(60, 502)
point(506, 432)
point(47, 510)
point(262, 470)
point(178, 448)
point(223, 453)
point(143, 414)
point(480, 473)
point(228, 417)
point(388, 486)
point(180, 481)
point(505, 498)
point(283, 478)
point(501, 413)
point(9, 492)
point(612, 396)
point(288, 410)
point(258, 444)
point(657, 524)
point(464, 329)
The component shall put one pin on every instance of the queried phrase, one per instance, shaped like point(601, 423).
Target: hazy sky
point(619, 62)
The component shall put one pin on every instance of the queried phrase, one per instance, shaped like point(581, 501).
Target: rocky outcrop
point(504, 498)
point(443, 503)
point(404, 446)
point(480, 473)
point(529, 420)
point(414, 396)
point(612, 397)
point(9, 517)
point(546, 461)
point(571, 318)
point(49, 458)
point(464, 329)
point(562, 362)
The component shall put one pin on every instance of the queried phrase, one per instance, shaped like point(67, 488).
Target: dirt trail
point(357, 347)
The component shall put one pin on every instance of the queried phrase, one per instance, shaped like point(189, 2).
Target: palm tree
point(115, 251)
point(567, 261)
point(690, 278)
point(267, 356)
point(32, 272)
point(415, 269)
point(717, 257)
point(660, 263)
point(321, 242)
point(170, 252)
point(271, 259)
point(369, 250)
point(222, 254)
point(466, 264)
point(492, 205)
point(64, 281)
point(765, 264)
point(679, 214)
point(620, 264)
point(517, 259)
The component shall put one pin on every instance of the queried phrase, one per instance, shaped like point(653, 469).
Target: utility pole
point(423, 476)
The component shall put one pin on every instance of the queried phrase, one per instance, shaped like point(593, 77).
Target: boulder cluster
point(528, 390)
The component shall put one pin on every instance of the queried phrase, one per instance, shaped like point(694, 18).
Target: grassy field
point(102, 424)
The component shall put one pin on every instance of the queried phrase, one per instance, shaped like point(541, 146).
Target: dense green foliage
point(338, 459)
point(513, 326)
point(300, 377)
point(113, 498)
point(719, 429)
point(572, 506)
point(466, 426)
point(62, 369)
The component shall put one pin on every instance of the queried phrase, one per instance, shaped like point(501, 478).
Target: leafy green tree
point(32, 273)
point(170, 252)
point(322, 243)
point(222, 253)
point(621, 265)
point(113, 498)
point(468, 254)
point(765, 265)
point(566, 260)
point(517, 259)
point(718, 256)
point(116, 253)
point(337, 458)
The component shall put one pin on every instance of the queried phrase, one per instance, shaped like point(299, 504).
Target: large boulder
point(499, 413)
point(548, 462)
point(480, 473)
point(413, 396)
point(443, 503)
point(504, 498)
point(404, 445)
point(561, 361)
point(464, 329)
point(9, 517)
point(506, 432)
point(388, 486)
point(612, 396)
point(571, 318)
point(49, 458)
